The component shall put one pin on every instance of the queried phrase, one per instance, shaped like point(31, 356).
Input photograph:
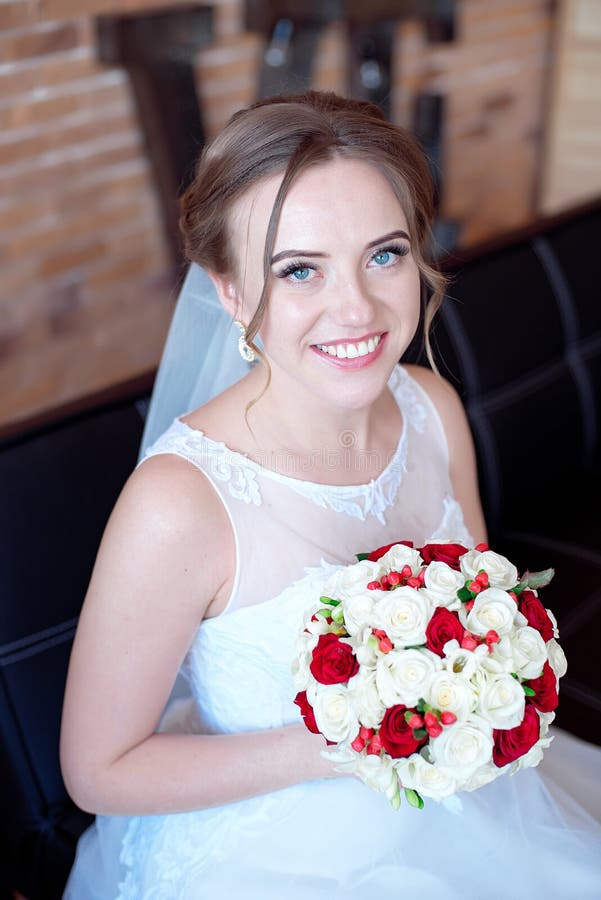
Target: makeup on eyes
point(399, 250)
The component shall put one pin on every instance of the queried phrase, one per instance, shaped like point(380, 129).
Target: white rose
point(404, 615)
point(334, 713)
point(553, 622)
point(483, 775)
point(399, 556)
point(451, 693)
point(442, 583)
point(403, 676)
point(365, 698)
point(379, 773)
point(529, 652)
point(557, 658)
point(501, 572)
point(492, 609)
point(501, 699)
point(351, 580)
point(501, 657)
point(358, 611)
point(545, 720)
point(305, 644)
point(366, 649)
point(532, 757)
point(376, 771)
point(425, 778)
point(464, 746)
point(463, 662)
point(315, 624)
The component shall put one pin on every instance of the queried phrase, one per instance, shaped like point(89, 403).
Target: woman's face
point(344, 298)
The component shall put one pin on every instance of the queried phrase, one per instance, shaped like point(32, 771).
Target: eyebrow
point(314, 253)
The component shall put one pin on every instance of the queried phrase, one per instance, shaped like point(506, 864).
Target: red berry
point(394, 578)
point(475, 587)
point(447, 717)
point(481, 548)
point(415, 721)
point(434, 730)
point(375, 745)
point(469, 642)
point(430, 719)
point(374, 586)
point(358, 744)
point(406, 571)
point(482, 578)
point(414, 582)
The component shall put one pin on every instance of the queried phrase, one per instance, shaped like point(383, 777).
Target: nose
point(354, 305)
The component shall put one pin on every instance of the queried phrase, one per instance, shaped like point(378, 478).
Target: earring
point(245, 350)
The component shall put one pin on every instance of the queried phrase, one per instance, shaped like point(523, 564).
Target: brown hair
point(288, 134)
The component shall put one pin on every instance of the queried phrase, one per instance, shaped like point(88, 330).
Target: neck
point(309, 431)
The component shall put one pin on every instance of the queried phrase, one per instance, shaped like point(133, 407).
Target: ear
point(227, 293)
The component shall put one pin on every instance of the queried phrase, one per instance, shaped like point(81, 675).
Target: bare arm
point(462, 457)
point(166, 558)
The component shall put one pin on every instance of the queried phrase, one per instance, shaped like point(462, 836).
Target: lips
point(352, 354)
point(351, 349)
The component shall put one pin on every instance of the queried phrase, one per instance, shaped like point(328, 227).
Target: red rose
point(396, 735)
point(511, 743)
point(307, 712)
point(545, 690)
point(376, 554)
point(333, 662)
point(442, 627)
point(535, 612)
point(446, 553)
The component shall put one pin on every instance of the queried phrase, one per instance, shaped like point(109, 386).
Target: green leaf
point(325, 612)
point(419, 733)
point(408, 715)
point(464, 594)
point(361, 556)
point(528, 691)
point(413, 798)
point(538, 579)
point(414, 646)
point(395, 801)
point(329, 601)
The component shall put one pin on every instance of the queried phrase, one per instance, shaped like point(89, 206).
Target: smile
point(351, 350)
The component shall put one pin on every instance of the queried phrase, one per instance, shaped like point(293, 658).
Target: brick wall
point(85, 286)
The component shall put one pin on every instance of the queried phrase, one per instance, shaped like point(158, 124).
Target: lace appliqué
point(212, 457)
point(240, 473)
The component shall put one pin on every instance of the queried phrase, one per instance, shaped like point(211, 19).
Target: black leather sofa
point(520, 335)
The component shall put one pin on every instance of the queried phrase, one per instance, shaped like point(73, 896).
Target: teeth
point(351, 351)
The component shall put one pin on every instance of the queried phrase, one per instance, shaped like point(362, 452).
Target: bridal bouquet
point(431, 670)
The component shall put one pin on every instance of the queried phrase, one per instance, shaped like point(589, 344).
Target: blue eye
point(382, 258)
point(301, 274)
point(386, 257)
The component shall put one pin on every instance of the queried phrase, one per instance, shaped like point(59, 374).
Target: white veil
point(200, 358)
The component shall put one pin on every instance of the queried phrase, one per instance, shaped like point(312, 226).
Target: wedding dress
point(521, 836)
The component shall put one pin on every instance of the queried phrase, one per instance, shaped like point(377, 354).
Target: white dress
point(522, 836)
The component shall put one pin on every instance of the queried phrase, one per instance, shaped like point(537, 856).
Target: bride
point(310, 214)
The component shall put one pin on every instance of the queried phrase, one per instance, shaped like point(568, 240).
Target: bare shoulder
point(169, 511)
